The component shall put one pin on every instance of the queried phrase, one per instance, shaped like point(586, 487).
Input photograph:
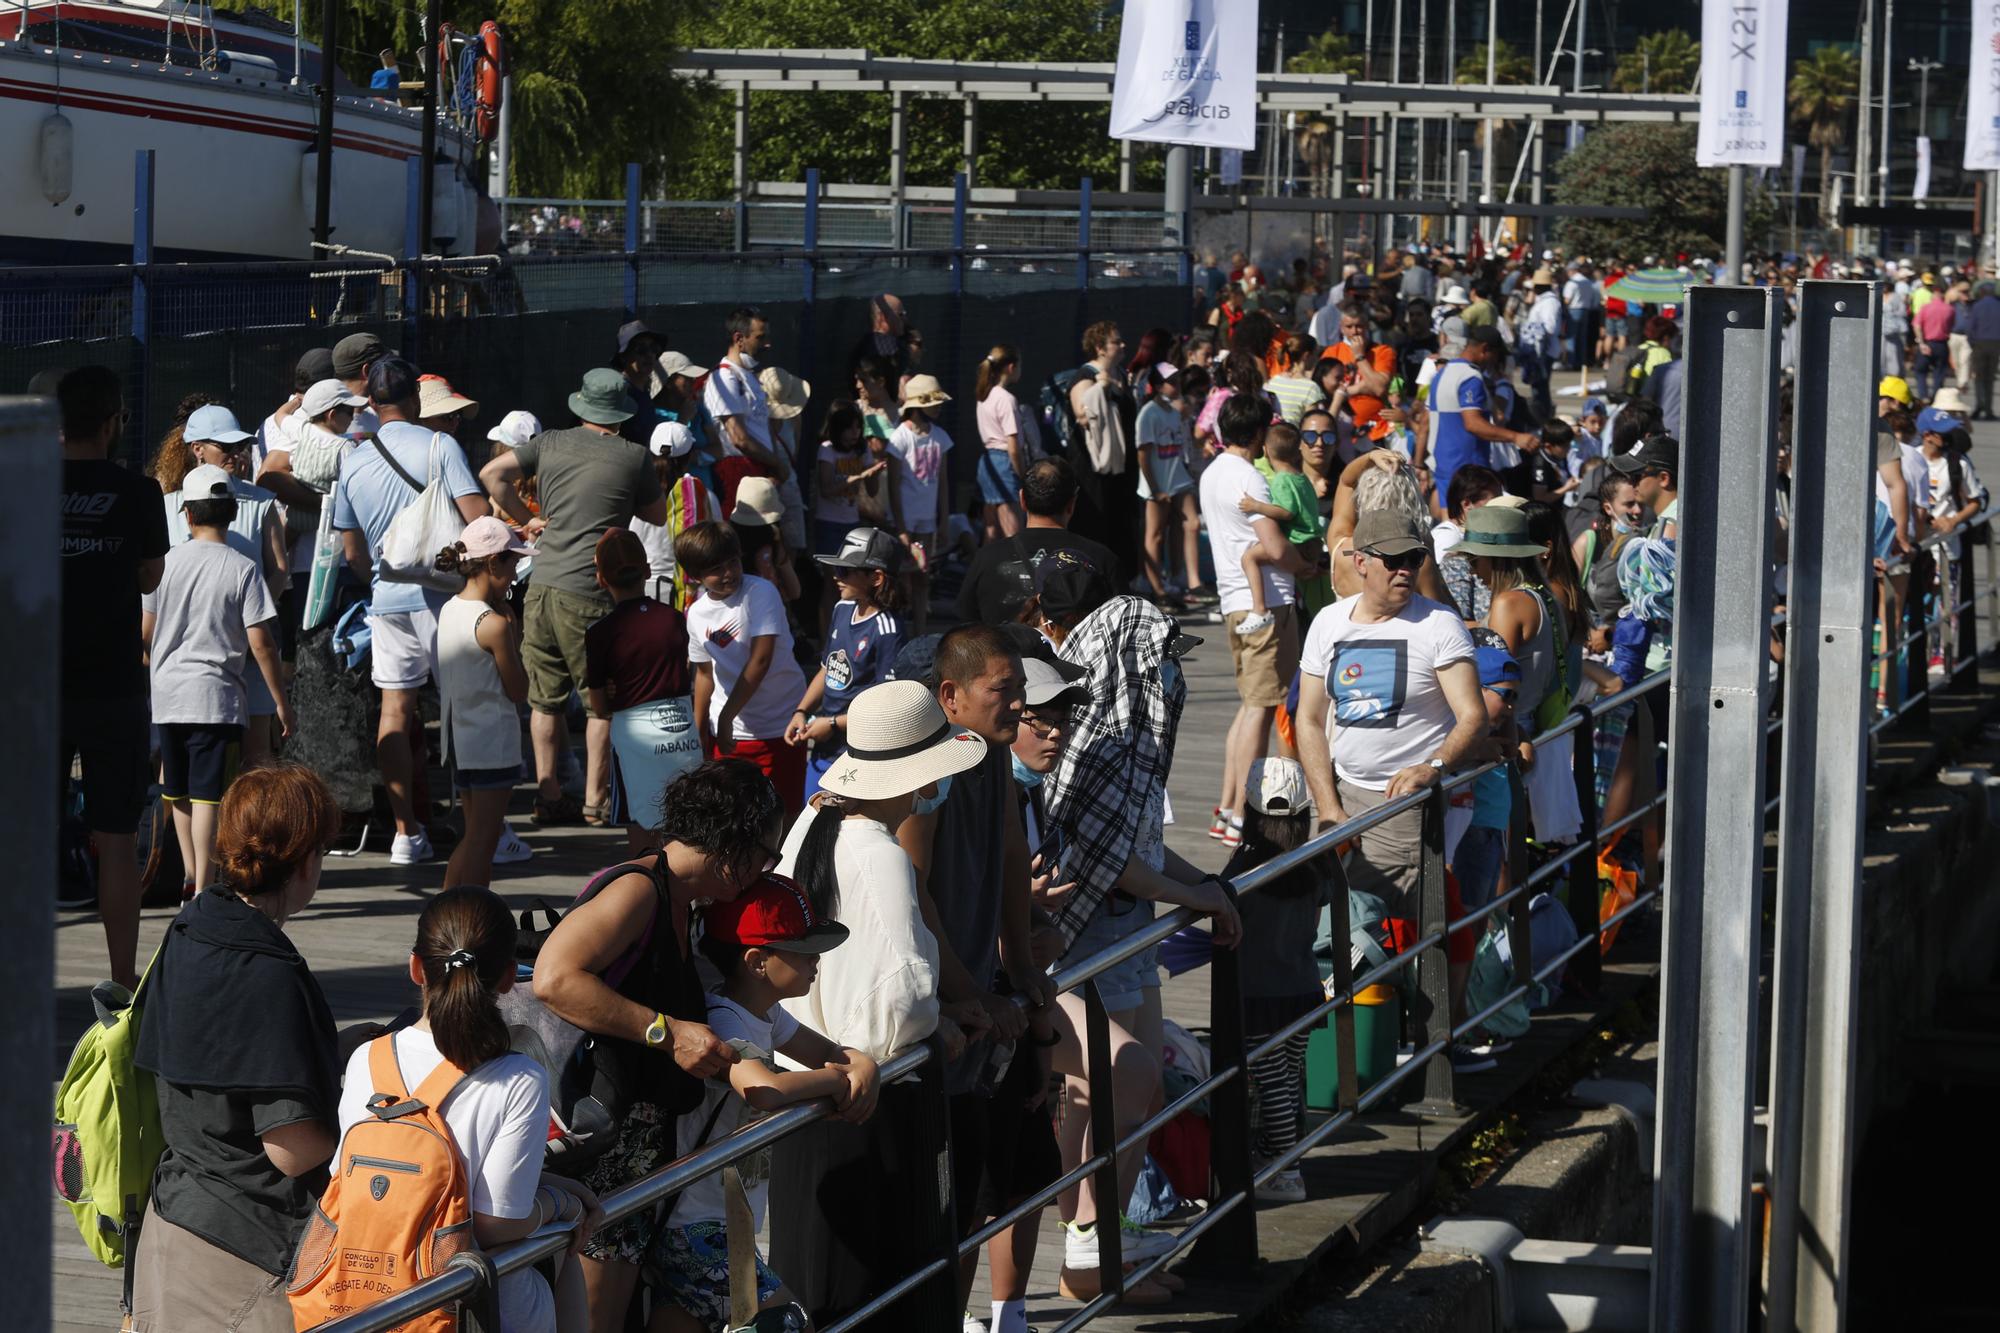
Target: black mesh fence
point(520, 333)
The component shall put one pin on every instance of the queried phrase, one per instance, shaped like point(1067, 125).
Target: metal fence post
point(479, 1312)
point(1340, 931)
point(1586, 970)
point(1231, 1244)
point(136, 428)
point(1520, 823)
point(1823, 795)
point(413, 257)
point(633, 214)
point(1968, 620)
point(1702, 1261)
point(959, 189)
point(1432, 1011)
point(1083, 235)
point(1104, 1185)
point(808, 326)
point(1915, 656)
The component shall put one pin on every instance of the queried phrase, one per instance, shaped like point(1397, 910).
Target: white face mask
point(926, 804)
point(747, 361)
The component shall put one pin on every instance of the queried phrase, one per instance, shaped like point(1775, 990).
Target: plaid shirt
point(1120, 747)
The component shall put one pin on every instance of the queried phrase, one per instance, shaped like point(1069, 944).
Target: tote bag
point(426, 525)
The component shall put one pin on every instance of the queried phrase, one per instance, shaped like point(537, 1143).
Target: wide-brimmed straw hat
point(924, 391)
point(898, 741)
point(787, 392)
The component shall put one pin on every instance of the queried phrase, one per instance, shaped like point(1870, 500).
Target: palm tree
point(1663, 62)
point(1329, 53)
point(1822, 93)
point(1509, 65)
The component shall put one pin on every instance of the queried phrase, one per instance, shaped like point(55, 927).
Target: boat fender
point(57, 157)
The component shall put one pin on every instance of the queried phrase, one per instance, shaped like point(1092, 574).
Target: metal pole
point(1124, 166)
point(1486, 171)
point(500, 177)
point(1177, 230)
point(1433, 1002)
point(808, 309)
point(1083, 235)
point(1386, 187)
point(740, 168)
point(1863, 127)
point(1702, 1262)
point(31, 601)
point(434, 16)
point(898, 166)
point(960, 187)
point(329, 35)
point(1733, 242)
point(1829, 613)
point(971, 141)
point(1461, 195)
point(1423, 77)
point(413, 254)
point(1888, 97)
point(142, 290)
point(1270, 155)
point(632, 217)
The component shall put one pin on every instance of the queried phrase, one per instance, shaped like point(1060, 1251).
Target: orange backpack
point(397, 1209)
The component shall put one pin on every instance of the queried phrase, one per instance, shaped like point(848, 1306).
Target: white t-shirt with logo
point(922, 472)
point(735, 392)
point(1386, 709)
point(1227, 479)
point(704, 1200)
point(720, 633)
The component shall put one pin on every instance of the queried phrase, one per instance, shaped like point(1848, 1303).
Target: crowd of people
point(847, 833)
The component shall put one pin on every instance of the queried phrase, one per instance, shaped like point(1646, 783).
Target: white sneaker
point(408, 851)
point(1285, 1187)
point(510, 850)
point(1136, 1244)
point(974, 1325)
point(1254, 622)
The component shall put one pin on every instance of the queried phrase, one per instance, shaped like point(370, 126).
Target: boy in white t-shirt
point(922, 489)
point(746, 679)
point(766, 944)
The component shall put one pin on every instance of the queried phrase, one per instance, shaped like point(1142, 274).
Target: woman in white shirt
point(498, 1112)
point(834, 1184)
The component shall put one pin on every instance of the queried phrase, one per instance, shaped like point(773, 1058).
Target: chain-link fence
point(520, 331)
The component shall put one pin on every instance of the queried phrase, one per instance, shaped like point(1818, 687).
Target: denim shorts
point(998, 485)
point(1116, 918)
point(486, 779)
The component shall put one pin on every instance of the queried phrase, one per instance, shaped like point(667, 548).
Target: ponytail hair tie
point(458, 958)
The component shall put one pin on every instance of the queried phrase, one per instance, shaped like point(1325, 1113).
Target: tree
point(1822, 93)
point(1331, 52)
point(1509, 66)
point(1649, 166)
point(1663, 62)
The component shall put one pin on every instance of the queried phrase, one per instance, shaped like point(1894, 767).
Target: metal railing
point(1227, 1225)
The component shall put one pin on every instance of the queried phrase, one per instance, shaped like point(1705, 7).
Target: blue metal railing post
point(808, 327)
point(1586, 969)
point(142, 296)
point(632, 216)
point(413, 258)
point(959, 190)
point(1083, 235)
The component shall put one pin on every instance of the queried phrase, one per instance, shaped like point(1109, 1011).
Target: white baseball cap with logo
point(207, 482)
point(325, 395)
point(516, 429)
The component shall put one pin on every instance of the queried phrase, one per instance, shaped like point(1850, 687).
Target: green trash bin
point(1378, 1022)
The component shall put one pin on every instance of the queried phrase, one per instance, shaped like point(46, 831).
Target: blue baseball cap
point(1497, 669)
point(1594, 407)
point(1935, 421)
point(214, 424)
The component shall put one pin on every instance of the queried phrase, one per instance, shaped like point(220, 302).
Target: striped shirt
point(1294, 395)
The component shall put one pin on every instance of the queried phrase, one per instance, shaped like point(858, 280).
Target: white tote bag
point(426, 525)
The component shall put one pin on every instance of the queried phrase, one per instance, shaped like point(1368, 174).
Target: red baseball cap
point(773, 913)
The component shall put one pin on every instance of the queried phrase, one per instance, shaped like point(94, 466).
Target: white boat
point(228, 104)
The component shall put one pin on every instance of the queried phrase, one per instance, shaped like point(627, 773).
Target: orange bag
point(1617, 887)
point(397, 1209)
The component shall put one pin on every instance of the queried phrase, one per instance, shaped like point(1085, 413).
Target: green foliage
point(1822, 93)
point(1329, 53)
point(1509, 66)
point(1663, 62)
point(1651, 167)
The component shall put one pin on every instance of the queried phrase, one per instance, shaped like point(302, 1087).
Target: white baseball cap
point(671, 439)
point(516, 429)
point(1277, 786)
point(207, 482)
point(325, 395)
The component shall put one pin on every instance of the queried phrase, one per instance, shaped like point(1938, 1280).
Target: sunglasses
point(1406, 560)
point(1317, 437)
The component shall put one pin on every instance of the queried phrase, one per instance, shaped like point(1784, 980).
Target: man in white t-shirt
point(1265, 660)
point(736, 399)
point(1388, 701)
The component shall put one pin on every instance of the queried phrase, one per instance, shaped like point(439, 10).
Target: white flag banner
point(1982, 91)
point(1923, 186)
point(1187, 73)
point(1742, 84)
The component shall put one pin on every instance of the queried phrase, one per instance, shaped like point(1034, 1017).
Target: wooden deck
point(357, 932)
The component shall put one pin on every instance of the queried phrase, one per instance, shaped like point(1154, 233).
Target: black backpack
point(1058, 414)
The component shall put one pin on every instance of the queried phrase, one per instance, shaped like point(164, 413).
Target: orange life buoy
point(492, 65)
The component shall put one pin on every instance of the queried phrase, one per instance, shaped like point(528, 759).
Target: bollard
point(1431, 1013)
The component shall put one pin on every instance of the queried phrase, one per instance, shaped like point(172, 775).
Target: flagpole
point(1733, 246)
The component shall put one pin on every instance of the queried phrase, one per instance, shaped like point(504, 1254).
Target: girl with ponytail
point(498, 1113)
point(1005, 458)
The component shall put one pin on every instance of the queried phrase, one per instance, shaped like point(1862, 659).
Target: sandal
point(565, 809)
point(597, 816)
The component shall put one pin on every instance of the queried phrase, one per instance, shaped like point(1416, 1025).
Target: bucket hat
point(1385, 532)
point(786, 391)
point(758, 503)
point(602, 400)
point(924, 391)
point(1502, 533)
point(899, 740)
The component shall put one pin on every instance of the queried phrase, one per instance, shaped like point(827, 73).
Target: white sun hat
point(899, 741)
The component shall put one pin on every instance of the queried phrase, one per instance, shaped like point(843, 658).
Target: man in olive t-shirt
point(589, 480)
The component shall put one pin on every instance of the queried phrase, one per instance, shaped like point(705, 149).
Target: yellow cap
point(1895, 387)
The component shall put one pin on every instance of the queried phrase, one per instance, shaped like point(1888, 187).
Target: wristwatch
point(656, 1032)
point(1436, 765)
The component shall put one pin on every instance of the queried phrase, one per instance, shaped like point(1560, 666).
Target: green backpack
point(107, 1138)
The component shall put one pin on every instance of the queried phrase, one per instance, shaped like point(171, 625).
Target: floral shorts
point(690, 1266)
point(645, 1144)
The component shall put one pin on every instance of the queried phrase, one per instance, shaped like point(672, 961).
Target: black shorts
point(194, 759)
point(112, 737)
point(1002, 1150)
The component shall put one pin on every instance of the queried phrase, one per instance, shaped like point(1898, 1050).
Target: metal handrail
point(470, 1281)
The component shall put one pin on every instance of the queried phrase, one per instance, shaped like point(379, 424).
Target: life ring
point(492, 65)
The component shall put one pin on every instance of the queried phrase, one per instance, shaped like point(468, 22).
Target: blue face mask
point(1026, 776)
point(926, 804)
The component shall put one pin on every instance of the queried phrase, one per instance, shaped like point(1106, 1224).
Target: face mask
point(747, 361)
point(1026, 776)
point(1622, 528)
point(927, 804)
point(887, 344)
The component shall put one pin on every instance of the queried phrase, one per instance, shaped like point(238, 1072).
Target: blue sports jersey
point(859, 653)
point(1458, 387)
